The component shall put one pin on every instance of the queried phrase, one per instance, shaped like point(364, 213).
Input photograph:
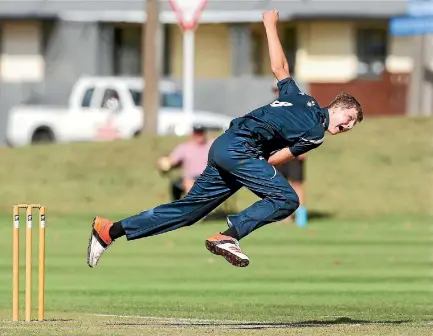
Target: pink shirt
point(192, 156)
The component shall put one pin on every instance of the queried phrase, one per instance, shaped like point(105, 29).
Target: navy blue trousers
point(233, 163)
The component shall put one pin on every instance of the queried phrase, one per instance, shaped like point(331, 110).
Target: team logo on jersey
point(277, 103)
point(311, 103)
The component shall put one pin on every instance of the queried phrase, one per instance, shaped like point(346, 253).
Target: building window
point(166, 66)
point(290, 46)
point(127, 49)
point(371, 48)
point(257, 53)
point(1, 47)
point(46, 36)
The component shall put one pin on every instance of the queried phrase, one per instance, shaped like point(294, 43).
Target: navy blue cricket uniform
point(295, 120)
point(239, 158)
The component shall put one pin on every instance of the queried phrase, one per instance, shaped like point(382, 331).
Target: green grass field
point(374, 273)
point(362, 267)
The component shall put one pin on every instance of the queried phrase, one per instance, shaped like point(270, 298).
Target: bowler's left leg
point(209, 191)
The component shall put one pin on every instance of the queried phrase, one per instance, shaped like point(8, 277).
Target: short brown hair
point(348, 101)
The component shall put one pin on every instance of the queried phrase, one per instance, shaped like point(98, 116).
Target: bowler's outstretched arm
point(279, 64)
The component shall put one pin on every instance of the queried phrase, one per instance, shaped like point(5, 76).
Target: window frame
point(364, 54)
point(291, 55)
point(92, 97)
point(102, 102)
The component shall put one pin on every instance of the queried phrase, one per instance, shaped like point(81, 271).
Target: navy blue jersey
point(295, 120)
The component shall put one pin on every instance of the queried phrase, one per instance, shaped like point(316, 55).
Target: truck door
point(91, 116)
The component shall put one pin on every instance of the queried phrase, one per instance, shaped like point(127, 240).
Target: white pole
point(188, 74)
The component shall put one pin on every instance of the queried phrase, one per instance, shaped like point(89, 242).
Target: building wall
point(326, 52)
point(40, 61)
point(22, 65)
point(73, 49)
point(328, 60)
point(386, 96)
point(400, 58)
point(21, 52)
point(322, 48)
point(212, 51)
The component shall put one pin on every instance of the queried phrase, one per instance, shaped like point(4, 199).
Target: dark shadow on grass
point(264, 325)
point(313, 324)
point(319, 215)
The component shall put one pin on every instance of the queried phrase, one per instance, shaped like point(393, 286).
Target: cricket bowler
point(244, 156)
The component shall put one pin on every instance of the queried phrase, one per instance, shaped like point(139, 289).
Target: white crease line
point(173, 319)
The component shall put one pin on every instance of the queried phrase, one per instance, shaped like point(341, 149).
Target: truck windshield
point(168, 99)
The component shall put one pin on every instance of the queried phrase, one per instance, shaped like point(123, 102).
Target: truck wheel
point(42, 135)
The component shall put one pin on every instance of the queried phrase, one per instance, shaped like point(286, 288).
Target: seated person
point(192, 156)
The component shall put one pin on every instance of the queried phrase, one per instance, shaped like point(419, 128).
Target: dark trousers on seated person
point(232, 163)
point(177, 189)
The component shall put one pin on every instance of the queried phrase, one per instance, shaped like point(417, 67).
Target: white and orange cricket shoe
point(227, 247)
point(99, 241)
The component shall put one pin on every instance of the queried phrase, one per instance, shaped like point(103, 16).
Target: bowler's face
point(342, 120)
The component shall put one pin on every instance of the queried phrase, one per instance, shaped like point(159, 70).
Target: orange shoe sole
point(233, 259)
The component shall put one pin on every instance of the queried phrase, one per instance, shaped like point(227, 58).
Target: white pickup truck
point(104, 108)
